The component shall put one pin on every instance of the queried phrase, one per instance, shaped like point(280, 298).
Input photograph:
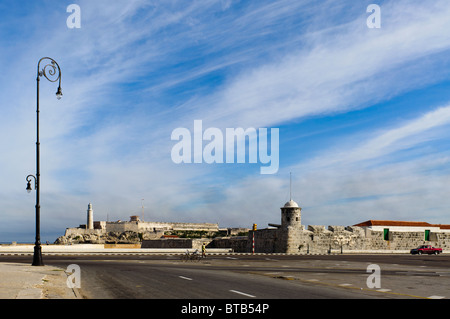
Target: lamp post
point(51, 72)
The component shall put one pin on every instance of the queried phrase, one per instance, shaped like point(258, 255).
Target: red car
point(426, 249)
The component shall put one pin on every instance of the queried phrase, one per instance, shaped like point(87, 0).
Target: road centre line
point(242, 293)
point(234, 291)
point(185, 278)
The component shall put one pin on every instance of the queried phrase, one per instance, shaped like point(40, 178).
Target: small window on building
point(296, 219)
point(427, 234)
point(386, 234)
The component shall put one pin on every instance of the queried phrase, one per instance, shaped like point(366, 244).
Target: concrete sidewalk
point(23, 281)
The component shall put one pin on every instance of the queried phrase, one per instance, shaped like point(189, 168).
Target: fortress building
point(292, 237)
point(133, 230)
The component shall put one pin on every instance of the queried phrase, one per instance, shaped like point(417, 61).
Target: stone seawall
point(237, 244)
point(188, 243)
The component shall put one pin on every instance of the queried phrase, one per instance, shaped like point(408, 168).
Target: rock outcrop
point(126, 237)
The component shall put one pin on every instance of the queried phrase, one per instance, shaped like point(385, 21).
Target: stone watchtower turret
point(291, 215)
point(291, 227)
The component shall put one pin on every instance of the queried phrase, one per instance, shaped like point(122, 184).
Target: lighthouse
point(90, 217)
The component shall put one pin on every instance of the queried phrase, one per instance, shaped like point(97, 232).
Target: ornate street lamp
point(51, 72)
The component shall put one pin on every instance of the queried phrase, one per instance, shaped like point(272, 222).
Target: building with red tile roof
point(395, 223)
point(392, 229)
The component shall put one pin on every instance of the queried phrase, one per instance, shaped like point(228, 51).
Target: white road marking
point(242, 293)
point(185, 278)
point(345, 285)
point(436, 297)
point(443, 273)
point(383, 290)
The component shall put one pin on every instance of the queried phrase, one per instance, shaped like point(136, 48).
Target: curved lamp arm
point(29, 188)
point(52, 72)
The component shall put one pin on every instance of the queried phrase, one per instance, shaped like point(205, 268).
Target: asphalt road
point(257, 277)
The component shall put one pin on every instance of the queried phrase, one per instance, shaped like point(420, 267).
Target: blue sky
point(363, 114)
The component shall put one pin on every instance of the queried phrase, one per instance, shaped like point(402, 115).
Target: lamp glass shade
point(29, 187)
point(59, 93)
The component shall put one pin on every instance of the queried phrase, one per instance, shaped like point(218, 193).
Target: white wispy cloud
point(389, 140)
point(345, 67)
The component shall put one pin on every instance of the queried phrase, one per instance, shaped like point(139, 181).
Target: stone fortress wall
point(129, 231)
point(140, 226)
point(317, 239)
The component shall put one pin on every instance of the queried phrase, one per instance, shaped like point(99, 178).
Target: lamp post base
point(37, 257)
